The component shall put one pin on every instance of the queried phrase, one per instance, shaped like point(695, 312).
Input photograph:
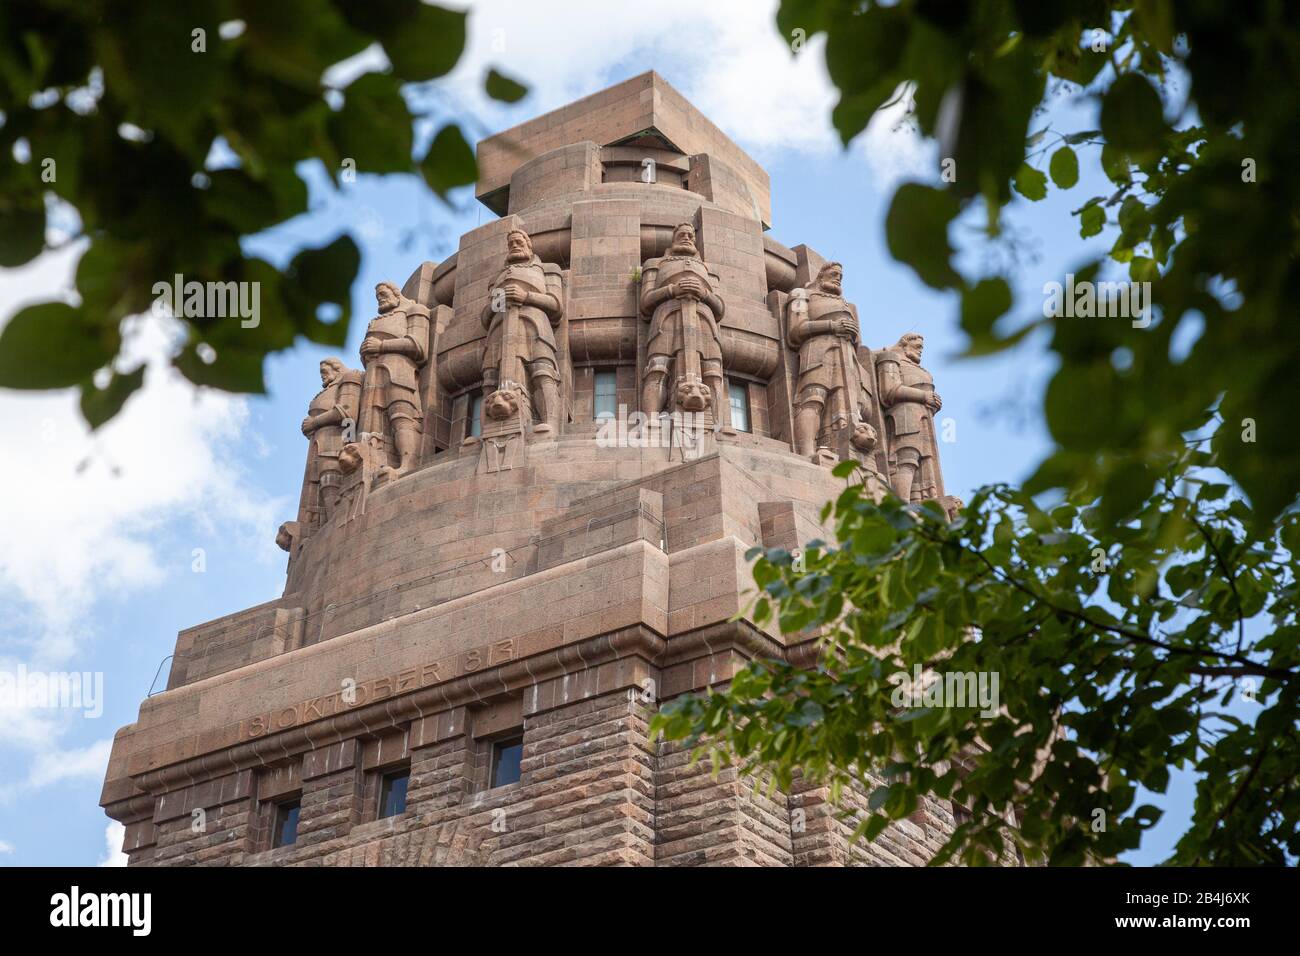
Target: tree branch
point(1227, 573)
point(1285, 676)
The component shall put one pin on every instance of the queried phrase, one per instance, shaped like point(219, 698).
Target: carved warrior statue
point(910, 402)
point(684, 370)
point(330, 423)
point(393, 351)
point(519, 363)
point(833, 398)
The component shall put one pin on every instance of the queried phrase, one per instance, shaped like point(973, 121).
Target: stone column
point(702, 821)
point(331, 793)
point(586, 774)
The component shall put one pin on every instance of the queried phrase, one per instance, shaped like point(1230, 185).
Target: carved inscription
point(380, 688)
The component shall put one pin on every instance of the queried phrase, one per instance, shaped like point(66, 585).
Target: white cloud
point(114, 833)
point(85, 763)
point(81, 509)
point(6, 848)
point(87, 517)
point(725, 56)
point(51, 765)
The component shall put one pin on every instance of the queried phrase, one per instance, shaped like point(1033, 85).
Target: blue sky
point(98, 569)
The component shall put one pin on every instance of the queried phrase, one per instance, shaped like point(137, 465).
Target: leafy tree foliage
point(1146, 619)
point(115, 108)
point(1118, 653)
point(1205, 205)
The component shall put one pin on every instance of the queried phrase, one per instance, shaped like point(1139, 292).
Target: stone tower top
point(523, 522)
point(642, 113)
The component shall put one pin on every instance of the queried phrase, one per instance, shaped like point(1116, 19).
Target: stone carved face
point(386, 295)
point(350, 459)
point(864, 437)
point(284, 537)
point(693, 396)
point(911, 345)
point(831, 279)
point(330, 370)
point(519, 247)
point(501, 405)
point(684, 241)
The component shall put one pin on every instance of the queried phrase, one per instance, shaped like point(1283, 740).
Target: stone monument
point(393, 352)
point(910, 401)
point(684, 373)
point(834, 406)
point(331, 423)
point(497, 579)
point(521, 381)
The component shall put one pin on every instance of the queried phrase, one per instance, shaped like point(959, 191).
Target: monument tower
point(522, 527)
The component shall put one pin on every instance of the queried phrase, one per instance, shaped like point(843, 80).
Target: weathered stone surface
point(514, 547)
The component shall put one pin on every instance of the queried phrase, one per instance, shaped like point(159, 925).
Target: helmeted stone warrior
point(331, 422)
point(394, 349)
point(525, 304)
point(910, 402)
point(685, 344)
point(832, 393)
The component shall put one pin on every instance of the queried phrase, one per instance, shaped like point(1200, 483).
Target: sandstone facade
point(481, 560)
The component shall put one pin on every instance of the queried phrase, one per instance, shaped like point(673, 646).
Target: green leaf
point(319, 276)
point(1091, 220)
point(374, 126)
point(982, 305)
point(863, 53)
point(233, 370)
point(52, 345)
point(1126, 489)
point(1143, 269)
point(1030, 183)
point(22, 231)
point(99, 405)
point(235, 198)
point(1115, 165)
point(450, 162)
point(148, 61)
point(501, 87)
point(1064, 167)
point(1078, 64)
point(426, 45)
point(1147, 815)
point(1131, 115)
point(916, 229)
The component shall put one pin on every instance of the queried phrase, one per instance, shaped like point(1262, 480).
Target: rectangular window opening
point(507, 755)
point(392, 792)
point(606, 401)
point(286, 823)
point(476, 415)
point(738, 394)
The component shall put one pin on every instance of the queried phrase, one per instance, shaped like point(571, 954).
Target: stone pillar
point(140, 841)
point(442, 762)
point(331, 793)
point(219, 834)
point(586, 774)
point(702, 821)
